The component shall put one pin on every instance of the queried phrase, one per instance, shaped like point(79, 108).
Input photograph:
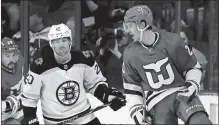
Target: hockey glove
point(116, 98)
point(14, 103)
point(140, 115)
point(112, 95)
point(29, 121)
point(188, 94)
point(11, 106)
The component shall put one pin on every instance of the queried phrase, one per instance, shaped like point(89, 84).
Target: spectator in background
point(113, 57)
point(107, 45)
point(8, 20)
point(167, 16)
point(167, 20)
point(12, 8)
point(98, 9)
point(199, 56)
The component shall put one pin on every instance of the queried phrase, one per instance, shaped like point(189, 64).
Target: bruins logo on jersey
point(68, 93)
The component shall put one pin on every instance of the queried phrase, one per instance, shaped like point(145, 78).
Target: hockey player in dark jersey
point(11, 81)
point(59, 78)
point(161, 74)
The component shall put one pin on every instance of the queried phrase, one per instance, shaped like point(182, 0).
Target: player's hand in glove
point(14, 103)
point(29, 121)
point(140, 115)
point(188, 94)
point(116, 98)
point(112, 95)
point(10, 106)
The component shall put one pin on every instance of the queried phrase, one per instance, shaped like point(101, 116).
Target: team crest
point(65, 67)
point(140, 9)
point(86, 53)
point(68, 93)
point(39, 61)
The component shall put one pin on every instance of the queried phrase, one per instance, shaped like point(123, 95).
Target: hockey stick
point(75, 117)
point(145, 108)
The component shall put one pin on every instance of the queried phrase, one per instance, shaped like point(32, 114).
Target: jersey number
point(96, 68)
point(157, 69)
point(29, 79)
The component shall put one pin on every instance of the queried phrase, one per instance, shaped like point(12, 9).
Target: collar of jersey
point(157, 39)
point(8, 70)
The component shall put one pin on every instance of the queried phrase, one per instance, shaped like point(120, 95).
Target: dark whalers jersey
point(12, 84)
point(158, 71)
point(10, 79)
point(61, 88)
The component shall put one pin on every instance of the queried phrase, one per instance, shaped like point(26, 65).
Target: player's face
point(61, 46)
point(184, 37)
point(131, 28)
point(36, 23)
point(9, 59)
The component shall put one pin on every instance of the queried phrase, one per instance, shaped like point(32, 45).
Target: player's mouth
point(11, 65)
point(62, 48)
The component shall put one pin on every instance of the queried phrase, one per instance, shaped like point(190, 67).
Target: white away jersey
point(62, 87)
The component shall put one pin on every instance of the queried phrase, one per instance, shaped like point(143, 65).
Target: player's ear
point(142, 24)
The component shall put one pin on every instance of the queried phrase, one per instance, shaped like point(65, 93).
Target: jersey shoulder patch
point(170, 41)
point(43, 60)
point(84, 57)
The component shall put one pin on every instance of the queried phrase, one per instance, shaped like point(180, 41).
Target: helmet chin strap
point(142, 30)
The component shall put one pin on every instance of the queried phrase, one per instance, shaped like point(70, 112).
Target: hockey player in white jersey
point(60, 78)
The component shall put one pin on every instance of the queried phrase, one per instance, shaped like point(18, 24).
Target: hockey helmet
point(138, 14)
point(8, 45)
point(59, 31)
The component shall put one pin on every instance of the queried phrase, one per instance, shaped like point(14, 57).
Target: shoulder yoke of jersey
point(170, 40)
point(44, 60)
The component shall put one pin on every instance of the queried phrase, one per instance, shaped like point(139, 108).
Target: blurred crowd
point(101, 29)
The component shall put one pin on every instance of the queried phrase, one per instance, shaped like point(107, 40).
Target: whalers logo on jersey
point(68, 93)
point(160, 69)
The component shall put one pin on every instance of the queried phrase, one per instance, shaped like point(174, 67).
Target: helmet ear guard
point(146, 27)
point(139, 25)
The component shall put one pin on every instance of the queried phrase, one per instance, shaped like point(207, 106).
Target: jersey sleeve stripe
point(104, 82)
point(30, 96)
point(28, 101)
point(68, 118)
point(155, 98)
point(132, 92)
point(132, 87)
